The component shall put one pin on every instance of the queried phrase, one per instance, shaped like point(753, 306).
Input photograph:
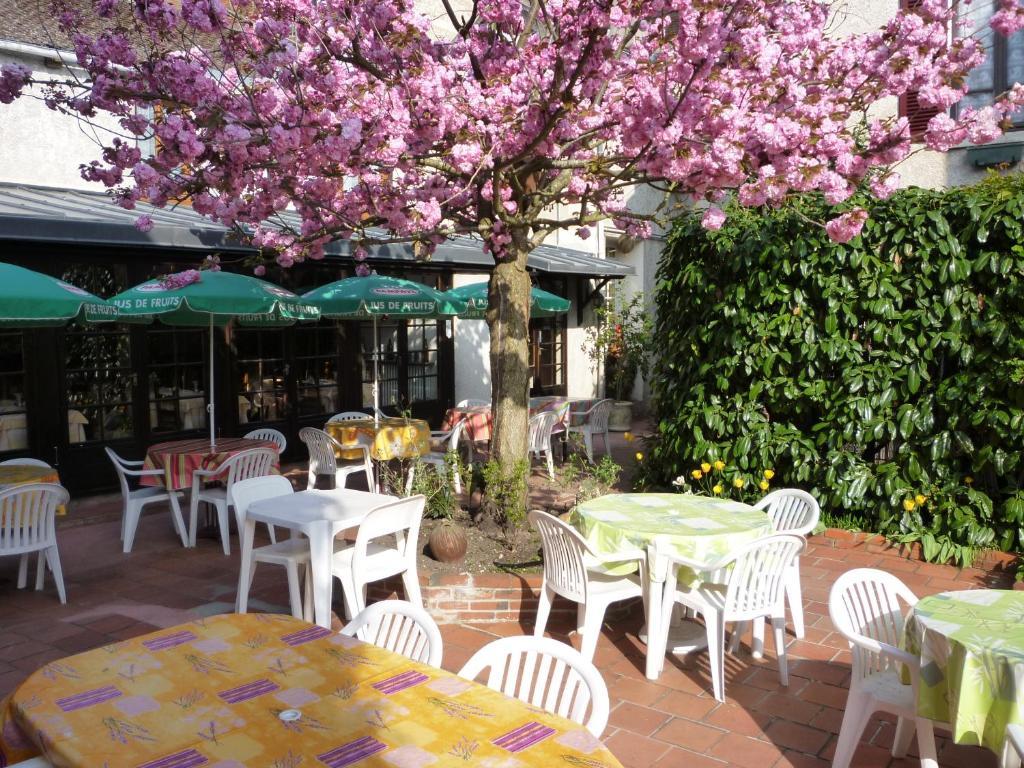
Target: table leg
point(245, 568)
point(655, 652)
point(321, 548)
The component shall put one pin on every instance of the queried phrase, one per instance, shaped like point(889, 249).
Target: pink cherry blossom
point(259, 270)
point(844, 228)
point(713, 218)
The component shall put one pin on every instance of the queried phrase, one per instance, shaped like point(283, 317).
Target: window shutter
point(909, 107)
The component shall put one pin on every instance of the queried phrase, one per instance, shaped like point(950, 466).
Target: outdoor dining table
point(266, 690)
point(320, 516)
point(23, 474)
point(180, 458)
point(393, 437)
point(971, 645)
point(701, 529)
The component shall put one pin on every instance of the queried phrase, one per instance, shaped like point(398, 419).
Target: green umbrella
point(33, 300)
point(212, 298)
point(542, 303)
point(374, 296)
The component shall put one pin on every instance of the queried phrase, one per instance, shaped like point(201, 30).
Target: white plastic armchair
point(471, 403)
point(349, 416)
point(866, 607)
point(541, 425)
point(35, 762)
point(27, 525)
point(256, 462)
point(756, 588)
point(323, 457)
point(791, 511)
point(594, 422)
point(547, 674)
point(25, 462)
point(270, 435)
point(574, 571)
point(450, 440)
point(401, 627)
point(1013, 751)
point(135, 499)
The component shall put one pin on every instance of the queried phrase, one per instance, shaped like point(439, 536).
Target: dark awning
point(75, 217)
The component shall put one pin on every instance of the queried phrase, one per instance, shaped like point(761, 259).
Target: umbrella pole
point(209, 404)
point(376, 375)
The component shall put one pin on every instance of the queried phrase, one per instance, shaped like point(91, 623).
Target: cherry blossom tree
point(519, 119)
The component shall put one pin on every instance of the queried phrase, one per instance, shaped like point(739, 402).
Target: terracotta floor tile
point(638, 719)
point(686, 705)
point(689, 735)
point(746, 752)
point(636, 751)
point(802, 738)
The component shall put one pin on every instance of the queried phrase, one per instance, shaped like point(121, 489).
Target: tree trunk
point(508, 319)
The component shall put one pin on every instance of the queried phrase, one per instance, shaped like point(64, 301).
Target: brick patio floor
point(673, 722)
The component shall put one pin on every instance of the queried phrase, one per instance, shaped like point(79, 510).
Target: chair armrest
point(622, 556)
point(143, 472)
point(138, 463)
point(205, 472)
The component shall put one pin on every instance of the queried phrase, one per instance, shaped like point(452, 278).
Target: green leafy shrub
point(868, 373)
point(503, 494)
point(589, 480)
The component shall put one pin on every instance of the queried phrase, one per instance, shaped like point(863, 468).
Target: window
point(421, 368)
point(547, 346)
point(98, 369)
point(262, 370)
point(13, 421)
point(316, 361)
point(177, 378)
point(389, 351)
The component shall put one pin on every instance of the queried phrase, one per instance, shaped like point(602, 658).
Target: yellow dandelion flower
point(909, 504)
point(717, 490)
point(738, 482)
point(920, 499)
point(639, 456)
point(696, 474)
point(719, 466)
point(705, 467)
point(763, 485)
point(769, 474)
point(969, 480)
point(627, 436)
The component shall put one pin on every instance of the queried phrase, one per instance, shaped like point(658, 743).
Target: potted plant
point(622, 341)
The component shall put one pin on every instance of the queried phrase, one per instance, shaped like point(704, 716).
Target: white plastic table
point(320, 516)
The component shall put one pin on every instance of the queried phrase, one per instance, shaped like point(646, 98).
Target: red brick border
point(467, 598)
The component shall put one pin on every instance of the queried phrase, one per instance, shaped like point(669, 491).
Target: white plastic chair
point(366, 560)
point(35, 762)
point(471, 403)
point(290, 553)
point(401, 627)
point(756, 588)
point(865, 606)
point(25, 462)
point(541, 425)
point(439, 460)
point(324, 461)
point(135, 500)
point(256, 462)
point(547, 674)
point(27, 525)
point(1013, 750)
point(272, 435)
point(594, 422)
point(791, 511)
point(573, 570)
point(349, 416)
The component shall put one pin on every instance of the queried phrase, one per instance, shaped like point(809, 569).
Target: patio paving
point(672, 722)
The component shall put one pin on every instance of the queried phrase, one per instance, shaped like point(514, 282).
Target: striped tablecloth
point(180, 458)
point(480, 422)
point(22, 474)
point(272, 691)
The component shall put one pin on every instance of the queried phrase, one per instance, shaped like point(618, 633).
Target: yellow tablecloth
point(22, 474)
point(393, 438)
point(225, 691)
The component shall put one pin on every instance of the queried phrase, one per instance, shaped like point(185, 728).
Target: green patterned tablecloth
point(701, 528)
point(972, 656)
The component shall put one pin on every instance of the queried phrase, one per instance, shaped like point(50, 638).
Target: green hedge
point(869, 373)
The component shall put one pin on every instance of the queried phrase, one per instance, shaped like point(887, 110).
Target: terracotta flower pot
point(448, 542)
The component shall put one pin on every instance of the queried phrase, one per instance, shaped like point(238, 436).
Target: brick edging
point(838, 538)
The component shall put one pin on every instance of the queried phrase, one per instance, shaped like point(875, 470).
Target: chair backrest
point(27, 516)
point(321, 447)
point(401, 517)
point(865, 606)
point(26, 462)
point(564, 548)
point(541, 425)
point(455, 435)
point(272, 435)
point(401, 627)
point(119, 467)
point(257, 462)
point(598, 419)
point(547, 674)
point(245, 492)
point(791, 510)
point(349, 416)
point(471, 403)
point(757, 577)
